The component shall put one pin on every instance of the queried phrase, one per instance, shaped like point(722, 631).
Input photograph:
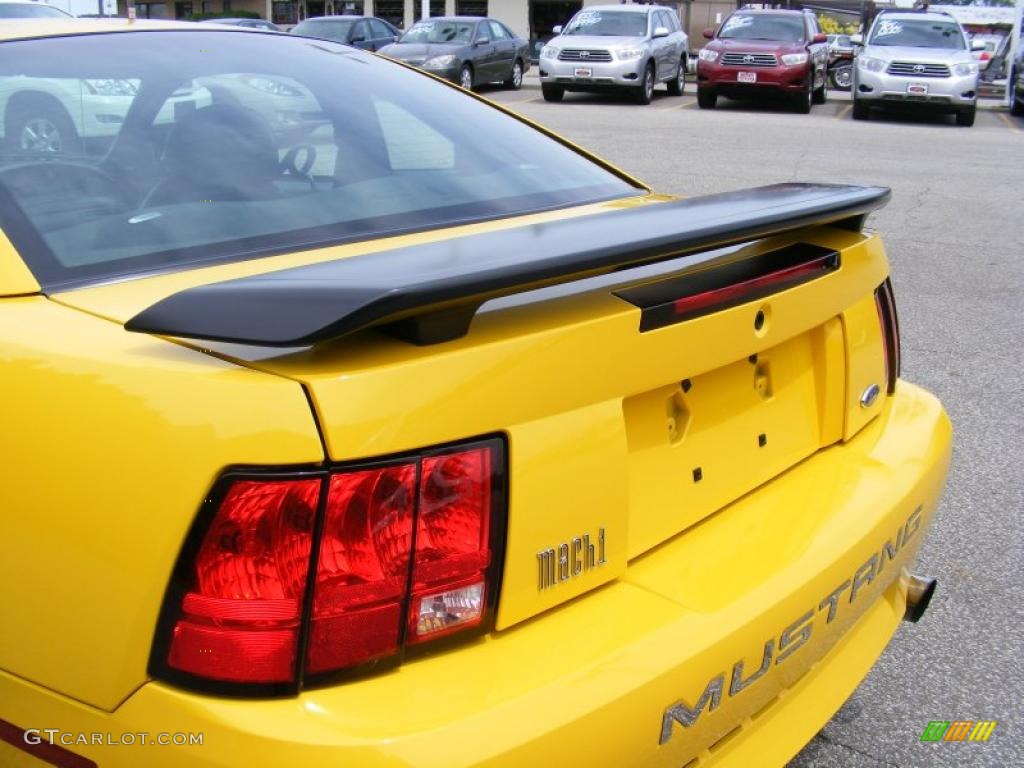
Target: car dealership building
point(531, 19)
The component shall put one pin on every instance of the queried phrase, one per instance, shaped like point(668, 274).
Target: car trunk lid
point(621, 431)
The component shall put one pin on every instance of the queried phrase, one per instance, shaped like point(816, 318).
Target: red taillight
point(712, 288)
point(699, 303)
point(885, 303)
point(449, 585)
point(402, 553)
point(363, 567)
point(239, 620)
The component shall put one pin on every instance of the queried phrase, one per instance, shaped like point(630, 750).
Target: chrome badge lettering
point(569, 559)
point(790, 640)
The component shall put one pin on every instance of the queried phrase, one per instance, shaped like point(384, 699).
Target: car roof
point(19, 29)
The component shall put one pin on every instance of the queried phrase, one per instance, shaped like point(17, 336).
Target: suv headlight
point(870, 64)
point(707, 55)
point(549, 52)
point(440, 62)
point(628, 54)
point(790, 59)
point(965, 68)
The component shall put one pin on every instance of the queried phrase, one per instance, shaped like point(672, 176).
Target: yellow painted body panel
point(744, 500)
point(579, 394)
point(589, 682)
point(110, 442)
point(571, 383)
point(15, 278)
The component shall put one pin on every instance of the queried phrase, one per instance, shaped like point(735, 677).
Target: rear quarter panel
point(109, 444)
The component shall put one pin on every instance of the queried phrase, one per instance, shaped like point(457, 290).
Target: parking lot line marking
point(1009, 122)
point(843, 112)
point(674, 105)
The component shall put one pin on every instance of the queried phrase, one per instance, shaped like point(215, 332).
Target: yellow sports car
point(357, 422)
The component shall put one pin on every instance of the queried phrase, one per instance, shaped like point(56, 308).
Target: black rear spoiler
point(429, 293)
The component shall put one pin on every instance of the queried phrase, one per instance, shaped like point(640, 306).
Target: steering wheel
point(35, 175)
point(298, 161)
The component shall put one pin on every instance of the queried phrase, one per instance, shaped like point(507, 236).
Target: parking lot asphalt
point(954, 232)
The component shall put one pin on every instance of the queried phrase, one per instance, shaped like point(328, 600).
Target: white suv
point(607, 47)
point(918, 59)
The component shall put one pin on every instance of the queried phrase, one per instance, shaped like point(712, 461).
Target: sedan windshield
point(129, 152)
point(757, 26)
point(336, 29)
point(440, 32)
point(919, 34)
point(31, 11)
point(608, 24)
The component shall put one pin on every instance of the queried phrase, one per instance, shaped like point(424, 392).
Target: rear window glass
point(127, 153)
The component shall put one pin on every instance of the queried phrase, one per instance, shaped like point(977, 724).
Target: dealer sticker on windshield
point(746, 77)
point(917, 89)
point(583, 72)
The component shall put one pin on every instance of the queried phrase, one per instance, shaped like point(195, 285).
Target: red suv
point(756, 52)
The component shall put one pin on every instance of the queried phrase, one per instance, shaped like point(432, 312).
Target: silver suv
point(915, 58)
point(607, 47)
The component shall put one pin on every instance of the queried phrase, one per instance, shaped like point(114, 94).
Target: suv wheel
point(1016, 98)
point(965, 117)
point(860, 110)
point(805, 99)
point(643, 94)
point(678, 83)
point(552, 92)
point(706, 98)
point(819, 95)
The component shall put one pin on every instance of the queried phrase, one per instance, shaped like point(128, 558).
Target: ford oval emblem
point(869, 395)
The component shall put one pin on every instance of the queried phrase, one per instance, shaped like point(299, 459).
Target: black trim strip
point(429, 293)
point(886, 302)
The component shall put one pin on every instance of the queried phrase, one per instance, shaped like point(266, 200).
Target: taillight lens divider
point(305, 626)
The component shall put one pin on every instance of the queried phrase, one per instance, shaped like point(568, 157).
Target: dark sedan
point(466, 50)
point(247, 23)
point(366, 32)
